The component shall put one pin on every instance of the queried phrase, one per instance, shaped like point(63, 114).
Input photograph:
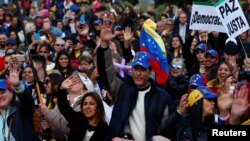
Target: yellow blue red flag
point(151, 42)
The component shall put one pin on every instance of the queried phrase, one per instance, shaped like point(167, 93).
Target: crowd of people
point(73, 70)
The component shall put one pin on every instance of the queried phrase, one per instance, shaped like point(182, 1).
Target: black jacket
point(78, 124)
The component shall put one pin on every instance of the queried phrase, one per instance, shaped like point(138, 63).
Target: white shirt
point(182, 31)
point(136, 125)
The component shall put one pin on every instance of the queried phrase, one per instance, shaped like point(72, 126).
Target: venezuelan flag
point(152, 43)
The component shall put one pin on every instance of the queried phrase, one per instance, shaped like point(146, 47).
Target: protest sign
point(232, 17)
point(205, 17)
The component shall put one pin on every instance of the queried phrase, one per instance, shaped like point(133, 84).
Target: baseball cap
point(4, 85)
point(196, 80)
point(201, 46)
point(201, 92)
point(10, 41)
point(141, 59)
point(213, 53)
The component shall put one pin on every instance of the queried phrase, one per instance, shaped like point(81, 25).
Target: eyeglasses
point(177, 67)
point(62, 45)
point(46, 82)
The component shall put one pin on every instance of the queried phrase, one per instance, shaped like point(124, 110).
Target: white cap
point(87, 82)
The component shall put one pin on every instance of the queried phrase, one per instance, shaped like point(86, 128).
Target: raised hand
point(13, 77)
point(85, 30)
point(68, 83)
point(106, 33)
point(202, 69)
point(246, 64)
point(127, 34)
point(224, 100)
point(240, 104)
point(183, 105)
point(94, 76)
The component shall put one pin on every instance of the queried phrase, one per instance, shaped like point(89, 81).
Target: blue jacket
point(156, 100)
point(125, 94)
point(21, 112)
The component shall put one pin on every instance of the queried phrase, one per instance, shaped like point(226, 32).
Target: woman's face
point(63, 61)
point(44, 52)
point(176, 42)
point(200, 55)
point(28, 75)
point(208, 107)
point(89, 107)
point(47, 85)
point(194, 43)
point(176, 69)
point(223, 72)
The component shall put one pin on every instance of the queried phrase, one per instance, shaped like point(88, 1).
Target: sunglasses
point(46, 82)
point(177, 67)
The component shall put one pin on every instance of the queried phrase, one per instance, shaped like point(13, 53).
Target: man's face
point(203, 35)
point(59, 45)
point(140, 76)
point(160, 26)
point(5, 98)
point(183, 18)
point(210, 61)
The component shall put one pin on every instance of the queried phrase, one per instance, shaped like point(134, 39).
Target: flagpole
point(243, 47)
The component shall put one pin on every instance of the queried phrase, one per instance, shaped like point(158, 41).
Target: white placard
point(205, 17)
point(232, 17)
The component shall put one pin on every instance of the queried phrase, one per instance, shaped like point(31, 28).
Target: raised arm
point(63, 103)
point(105, 64)
point(26, 103)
